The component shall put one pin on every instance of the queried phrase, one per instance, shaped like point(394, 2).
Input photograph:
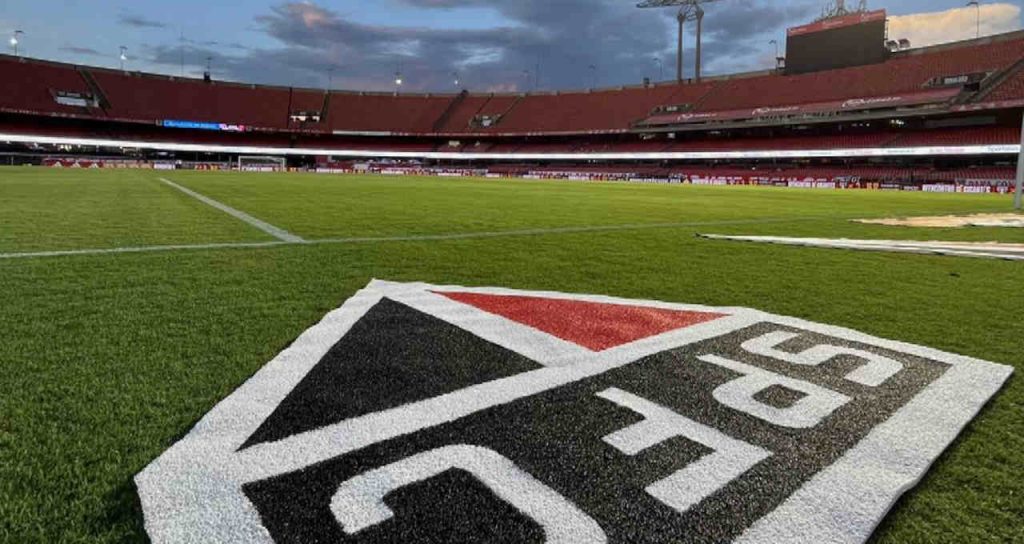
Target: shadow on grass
point(123, 518)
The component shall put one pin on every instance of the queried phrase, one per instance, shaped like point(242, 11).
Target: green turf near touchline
point(330, 206)
point(75, 210)
point(49, 209)
point(108, 359)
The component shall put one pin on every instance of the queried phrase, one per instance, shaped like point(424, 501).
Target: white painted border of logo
point(193, 491)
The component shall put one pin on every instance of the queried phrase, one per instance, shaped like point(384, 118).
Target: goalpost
point(261, 163)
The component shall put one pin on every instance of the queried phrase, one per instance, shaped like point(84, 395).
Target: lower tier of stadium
point(960, 135)
point(971, 152)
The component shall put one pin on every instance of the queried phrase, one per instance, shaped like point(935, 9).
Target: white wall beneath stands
point(446, 155)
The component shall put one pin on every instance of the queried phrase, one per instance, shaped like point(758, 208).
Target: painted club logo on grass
point(418, 413)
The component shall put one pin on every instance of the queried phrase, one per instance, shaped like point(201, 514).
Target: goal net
point(262, 164)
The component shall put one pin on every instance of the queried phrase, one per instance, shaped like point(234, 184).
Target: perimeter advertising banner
point(197, 125)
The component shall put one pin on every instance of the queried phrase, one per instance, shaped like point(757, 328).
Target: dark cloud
point(139, 21)
point(202, 43)
point(563, 38)
point(79, 50)
point(737, 34)
point(285, 66)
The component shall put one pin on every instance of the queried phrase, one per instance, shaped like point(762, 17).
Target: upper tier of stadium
point(978, 74)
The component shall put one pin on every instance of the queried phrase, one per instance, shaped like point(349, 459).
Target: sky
point(485, 45)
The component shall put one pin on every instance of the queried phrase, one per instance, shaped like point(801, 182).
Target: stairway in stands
point(95, 89)
point(992, 84)
point(511, 107)
point(711, 92)
point(325, 109)
point(447, 114)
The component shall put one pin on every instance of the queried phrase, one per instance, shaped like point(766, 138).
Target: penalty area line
point(276, 232)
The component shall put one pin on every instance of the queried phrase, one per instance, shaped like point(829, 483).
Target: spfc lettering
point(418, 413)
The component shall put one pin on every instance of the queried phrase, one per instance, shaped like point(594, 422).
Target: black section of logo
point(556, 437)
point(393, 356)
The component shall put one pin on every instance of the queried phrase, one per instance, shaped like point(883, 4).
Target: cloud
point(555, 42)
point(924, 29)
point(138, 21)
point(80, 50)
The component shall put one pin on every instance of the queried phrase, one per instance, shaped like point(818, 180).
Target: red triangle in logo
point(595, 326)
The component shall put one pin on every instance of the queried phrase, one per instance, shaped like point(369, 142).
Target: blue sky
point(485, 44)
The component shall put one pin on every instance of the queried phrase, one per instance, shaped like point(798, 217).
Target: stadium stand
point(31, 86)
point(1012, 88)
point(907, 72)
point(409, 114)
point(155, 98)
point(959, 137)
point(307, 108)
point(470, 108)
point(600, 111)
point(793, 142)
point(951, 96)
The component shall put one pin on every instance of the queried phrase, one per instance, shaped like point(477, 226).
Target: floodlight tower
point(837, 8)
point(15, 40)
point(689, 10)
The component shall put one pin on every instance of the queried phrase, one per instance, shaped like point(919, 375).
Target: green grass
point(107, 360)
point(327, 207)
point(43, 210)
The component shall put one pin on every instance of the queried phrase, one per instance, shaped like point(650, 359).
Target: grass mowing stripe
point(64, 210)
point(383, 239)
point(555, 230)
point(276, 232)
point(318, 207)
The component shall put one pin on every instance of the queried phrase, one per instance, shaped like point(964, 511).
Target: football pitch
point(131, 306)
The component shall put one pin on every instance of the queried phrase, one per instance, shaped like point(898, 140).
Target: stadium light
point(398, 82)
point(661, 68)
point(977, 7)
point(15, 41)
point(455, 76)
point(689, 10)
point(124, 56)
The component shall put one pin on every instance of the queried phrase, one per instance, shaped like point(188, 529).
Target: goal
point(262, 164)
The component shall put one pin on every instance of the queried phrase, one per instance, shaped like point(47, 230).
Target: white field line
point(386, 239)
point(140, 249)
point(276, 232)
point(425, 238)
point(1009, 252)
point(544, 231)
